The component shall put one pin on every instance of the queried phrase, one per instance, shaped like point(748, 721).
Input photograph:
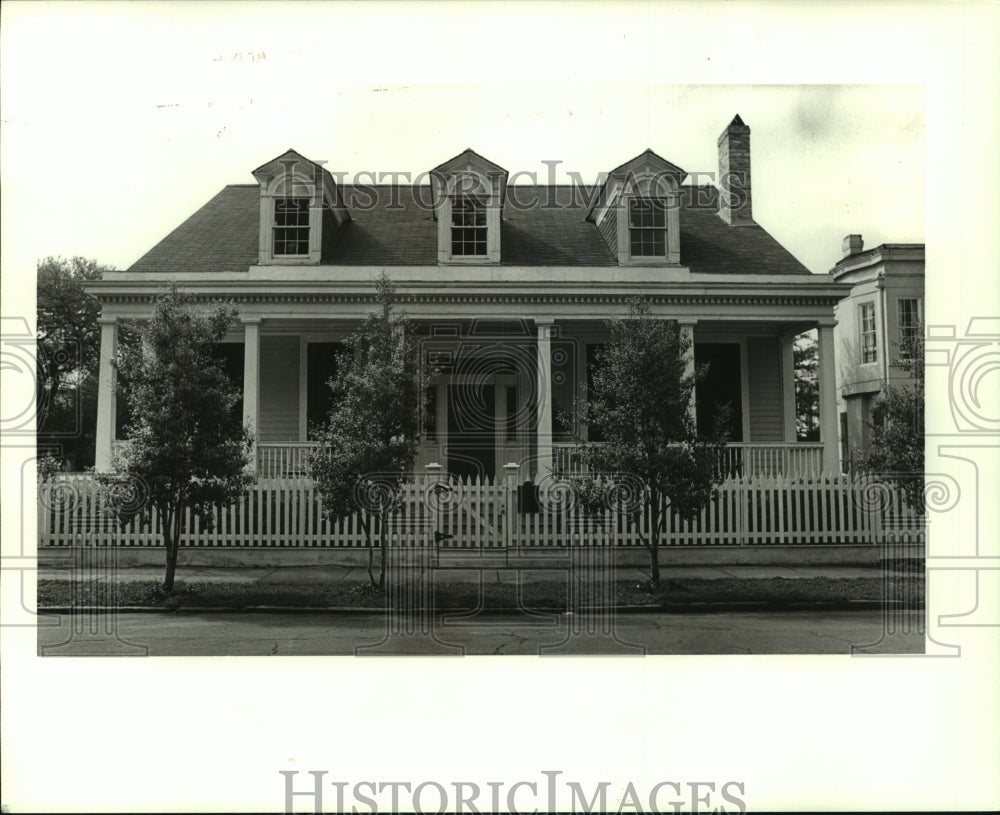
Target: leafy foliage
point(68, 341)
point(896, 449)
point(369, 442)
point(805, 353)
point(182, 445)
point(652, 452)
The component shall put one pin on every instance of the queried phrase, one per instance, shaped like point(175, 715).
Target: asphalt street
point(649, 633)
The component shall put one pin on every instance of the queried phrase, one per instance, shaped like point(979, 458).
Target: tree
point(896, 448)
point(805, 353)
point(182, 442)
point(368, 444)
point(640, 397)
point(68, 348)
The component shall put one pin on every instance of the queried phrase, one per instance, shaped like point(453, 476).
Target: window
point(866, 321)
point(647, 227)
point(908, 317)
point(468, 226)
point(291, 226)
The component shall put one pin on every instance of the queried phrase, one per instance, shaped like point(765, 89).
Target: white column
point(828, 399)
point(106, 407)
point(787, 344)
point(251, 383)
point(687, 335)
point(543, 434)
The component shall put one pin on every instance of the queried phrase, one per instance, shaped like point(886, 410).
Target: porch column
point(543, 434)
point(828, 399)
point(687, 335)
point(787, 343)
point(251, 383)
point(106, 406)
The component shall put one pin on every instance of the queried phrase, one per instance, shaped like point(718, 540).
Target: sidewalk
point(469, 583)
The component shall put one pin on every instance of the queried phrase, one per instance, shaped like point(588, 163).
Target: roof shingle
point(542, 226)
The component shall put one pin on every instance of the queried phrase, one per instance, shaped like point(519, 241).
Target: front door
point(721, 386)
point(472, 427)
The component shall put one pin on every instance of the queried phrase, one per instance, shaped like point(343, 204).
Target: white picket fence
point(481, 514)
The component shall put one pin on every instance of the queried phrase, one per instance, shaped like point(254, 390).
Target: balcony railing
point(798, 459)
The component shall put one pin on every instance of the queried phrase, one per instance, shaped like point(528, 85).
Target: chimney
point(852, 245)
point(735, 203)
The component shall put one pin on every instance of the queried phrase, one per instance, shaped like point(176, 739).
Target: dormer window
point(638, 211)
point(291, 226)
point(301, 207)
point(468, 226)
point(647, 227)
point(468, 193)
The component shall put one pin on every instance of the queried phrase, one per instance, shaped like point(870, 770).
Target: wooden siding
point(279, 389)
point(764, 369)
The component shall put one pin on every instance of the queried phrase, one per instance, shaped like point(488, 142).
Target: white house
point(509, 285)
point(886, 303)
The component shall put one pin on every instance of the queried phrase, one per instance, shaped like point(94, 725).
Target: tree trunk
point(171, 540)
point(654, 540)
point(367, 527)
point(383, 547)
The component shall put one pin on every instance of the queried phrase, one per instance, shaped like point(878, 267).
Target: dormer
point(300, 204)
point(468, 193)
point(638, 211)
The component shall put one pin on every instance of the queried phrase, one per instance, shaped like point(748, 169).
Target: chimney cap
point(852, 245)
point(737, 127)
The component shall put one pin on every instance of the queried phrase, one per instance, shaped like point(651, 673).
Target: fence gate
point(469, 513)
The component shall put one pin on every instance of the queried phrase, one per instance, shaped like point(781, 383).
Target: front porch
point(500, 391)
point(506, 357)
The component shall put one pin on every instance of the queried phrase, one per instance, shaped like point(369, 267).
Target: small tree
point(640, 397)
point(183, 443)
point(68, 341)
point(805, 353)
point(368, 444)
point(896, 448)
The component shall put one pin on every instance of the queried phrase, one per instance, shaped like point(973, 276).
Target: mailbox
point(527, 498)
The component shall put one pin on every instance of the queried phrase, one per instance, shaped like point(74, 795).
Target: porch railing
point(283, 459)
point(287, 460)
point(738, 460)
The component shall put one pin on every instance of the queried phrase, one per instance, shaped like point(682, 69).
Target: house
point(886, 303)
point(509, 285)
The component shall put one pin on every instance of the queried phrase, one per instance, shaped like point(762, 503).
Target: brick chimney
point(852, 245)
point(735, 202)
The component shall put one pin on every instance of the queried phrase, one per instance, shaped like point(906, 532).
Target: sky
point(137, 131)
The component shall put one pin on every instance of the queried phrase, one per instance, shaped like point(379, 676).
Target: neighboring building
point(886, 302)
point(509, 287)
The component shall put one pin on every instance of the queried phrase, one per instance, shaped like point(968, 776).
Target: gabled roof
point(279, 164)
point(634, 167)
point(468, 159)
point(222, 236)
point(648, 156)
point(469, 156)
